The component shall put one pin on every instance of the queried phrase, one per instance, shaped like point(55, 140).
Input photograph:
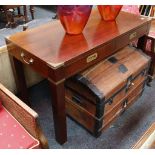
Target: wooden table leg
point(18, 71)
point(25, 13)
point(59, 112)
point(32, 11)
point(18, 9)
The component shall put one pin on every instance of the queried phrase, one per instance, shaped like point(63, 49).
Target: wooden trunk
point(98, 95)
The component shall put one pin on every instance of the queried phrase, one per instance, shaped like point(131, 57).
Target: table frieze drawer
point(90, 58)
point(30, 60)
point(132, 35)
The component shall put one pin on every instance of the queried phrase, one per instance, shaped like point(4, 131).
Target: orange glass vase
point(74, 17)
point(109, 12)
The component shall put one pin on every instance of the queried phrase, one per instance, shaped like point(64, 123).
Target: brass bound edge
point(56, 83)
point(133, 35)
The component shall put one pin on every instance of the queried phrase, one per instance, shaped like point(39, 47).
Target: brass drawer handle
point(29, 62)
point(92, 57)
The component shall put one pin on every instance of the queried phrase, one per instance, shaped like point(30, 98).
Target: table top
point(52, 45)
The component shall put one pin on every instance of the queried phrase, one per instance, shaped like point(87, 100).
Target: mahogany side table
point(57, 56)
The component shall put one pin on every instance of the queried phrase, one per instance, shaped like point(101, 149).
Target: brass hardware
point(91, 57)
point(130, 85)
point(125, 104)
point(133, 35)
point(56, 83)
point(29, 62)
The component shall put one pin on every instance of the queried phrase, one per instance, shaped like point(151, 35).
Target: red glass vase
point(74, 17)
point(109, 12)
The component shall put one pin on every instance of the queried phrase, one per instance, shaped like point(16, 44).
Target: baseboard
point(6, 73)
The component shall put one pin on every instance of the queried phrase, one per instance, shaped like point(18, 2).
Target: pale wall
point(6, 74)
